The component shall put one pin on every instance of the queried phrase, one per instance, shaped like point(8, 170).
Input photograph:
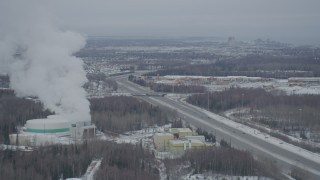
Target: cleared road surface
point(283, 157)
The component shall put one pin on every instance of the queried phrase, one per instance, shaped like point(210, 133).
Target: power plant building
point(59, 127)
point(49, 130)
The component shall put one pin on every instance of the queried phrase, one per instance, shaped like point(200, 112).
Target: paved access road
point(239, 139)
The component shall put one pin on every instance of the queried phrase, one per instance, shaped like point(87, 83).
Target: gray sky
point(274, 19)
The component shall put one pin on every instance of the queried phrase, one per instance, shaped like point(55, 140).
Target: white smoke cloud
point(38, 58)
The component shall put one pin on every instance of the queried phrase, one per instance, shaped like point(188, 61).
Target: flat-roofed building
point(303, 81)
point(161, 140)
point(181, 145)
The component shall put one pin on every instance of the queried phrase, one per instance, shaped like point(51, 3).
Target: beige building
point(21, 140)
point(181, 145)
point(178, 140)
point(181, 132)
point(161, 141)
point(303, 81)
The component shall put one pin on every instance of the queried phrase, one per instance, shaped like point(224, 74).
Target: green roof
point(48, 130)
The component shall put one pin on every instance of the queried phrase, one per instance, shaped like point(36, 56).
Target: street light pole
point(208, 102)
point(241, 105)
point(300, 119)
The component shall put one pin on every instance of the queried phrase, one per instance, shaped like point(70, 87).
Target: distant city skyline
point(293, 21)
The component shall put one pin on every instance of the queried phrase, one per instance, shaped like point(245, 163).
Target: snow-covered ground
point(269, 85)
point(275, 84)
point(262, 136)
point(136, 137)
point(15, 148)
point(92, 169)
point(221, 177)
point(231, 114)
point(162, 170)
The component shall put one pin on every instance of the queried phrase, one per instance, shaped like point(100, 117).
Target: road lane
point(238, 138)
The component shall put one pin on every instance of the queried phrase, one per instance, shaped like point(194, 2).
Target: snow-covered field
point(271, 84)
point(275, 84)
point(143, 136)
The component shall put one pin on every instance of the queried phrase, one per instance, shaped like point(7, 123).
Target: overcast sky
point(275, 19)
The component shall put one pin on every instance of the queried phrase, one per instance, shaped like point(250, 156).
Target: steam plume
point(38, 58)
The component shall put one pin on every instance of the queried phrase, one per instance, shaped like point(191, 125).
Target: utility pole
point(173, 88)
point(300, 117)
point(242, 105)
point(300, 120)
point(208, 102)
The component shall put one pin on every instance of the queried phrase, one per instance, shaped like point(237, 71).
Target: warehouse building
point(161, 141)
point(181, 145)
point(304, 81)
point(181, 132)
point(178, 140)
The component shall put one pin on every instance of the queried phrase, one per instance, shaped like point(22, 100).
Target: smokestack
point(38, 57)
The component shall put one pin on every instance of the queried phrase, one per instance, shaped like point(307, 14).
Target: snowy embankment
point(254, 132)
point(231, 114)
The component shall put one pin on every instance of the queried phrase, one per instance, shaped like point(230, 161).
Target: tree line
point(16, 111)
point(223, 160)
point(251, 65)
point(123, 113)
point(118, 114)
point(119, 161)
point(168, 88)
point(280, 111)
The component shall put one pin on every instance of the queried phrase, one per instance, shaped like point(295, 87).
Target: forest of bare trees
point(4, 81)
point(223, 160)
point(167, 88)
point(251, 65)
point(117, 114)
point(15, 111)
point(122, 113)
point(120, 161)
point(287, 113)
point(158, 87)
point(100, 79)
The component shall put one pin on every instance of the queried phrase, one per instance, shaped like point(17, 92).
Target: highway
point(282, 156)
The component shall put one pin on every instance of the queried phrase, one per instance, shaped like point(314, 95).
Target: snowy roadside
point(230, 114)
point(254, 132)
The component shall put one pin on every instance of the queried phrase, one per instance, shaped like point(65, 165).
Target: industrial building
point(59, 127)
point(161, 140)
point(181, 132)
point(178, 140)
point(33, 139)
point(51, 130)
point(201, 80)
point(304, 81)
point(180, 145)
